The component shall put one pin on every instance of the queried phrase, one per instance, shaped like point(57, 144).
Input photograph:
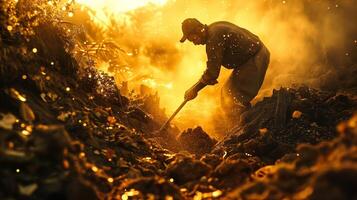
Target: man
point(234, 48)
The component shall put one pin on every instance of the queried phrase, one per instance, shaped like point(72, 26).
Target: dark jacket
point(227, 45)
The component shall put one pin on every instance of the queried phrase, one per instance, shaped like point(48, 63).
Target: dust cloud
point(311, 42)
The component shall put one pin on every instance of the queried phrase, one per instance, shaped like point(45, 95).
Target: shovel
point(163, 127)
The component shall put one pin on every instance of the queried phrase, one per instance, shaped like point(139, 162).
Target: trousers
point(245, 81)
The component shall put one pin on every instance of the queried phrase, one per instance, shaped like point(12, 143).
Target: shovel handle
point(163, 127)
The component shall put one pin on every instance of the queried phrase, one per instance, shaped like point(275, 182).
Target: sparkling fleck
point(94, 169)
point(110, 180)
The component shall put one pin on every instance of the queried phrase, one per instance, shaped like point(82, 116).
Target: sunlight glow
point(119, 6)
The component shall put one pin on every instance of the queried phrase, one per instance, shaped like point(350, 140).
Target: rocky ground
point(66, 132)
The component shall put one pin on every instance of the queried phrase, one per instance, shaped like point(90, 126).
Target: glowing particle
point(52, 63)
point(284, 2)
point(94, 169)
point(70, 14)
point(15, 94)
point(171, 180)
point(64, 8)
point(84, 124)
point(216, 193)
point(68, 89)
point(110, 180)
point(29, 128)
point(34, 50)
point(347, 54)
point(82, 155)
point(24, 77)
point(48, 78)
point(25, 132)
point(355, 41)
point(296, 114)
point(17, 170)
point(124, 197)
point(263, 131)
point(9, 28)
point(65, 164)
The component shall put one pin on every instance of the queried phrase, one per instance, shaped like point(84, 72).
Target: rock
point(185, 169)
point(196, 141)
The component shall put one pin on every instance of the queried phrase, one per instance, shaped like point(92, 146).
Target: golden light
point(150, 35)
point(119, 6)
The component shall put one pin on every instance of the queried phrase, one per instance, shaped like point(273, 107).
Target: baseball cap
point(189, 26)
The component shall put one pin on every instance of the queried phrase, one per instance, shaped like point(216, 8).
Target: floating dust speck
point(18, 170)
point(25, 132)
point(70, 14)
point(168, 197)
point(65, 164)
point(94, 169)
point(24, 77)
point(52, 63)
point(296, 114)
point(171, 180)
point(68, 89)
point(216, 193)
point(34, 50)
point(110, 180)
point(9, 28)
point(29, 128)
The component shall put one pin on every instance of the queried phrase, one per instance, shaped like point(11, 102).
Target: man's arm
point(214, 50)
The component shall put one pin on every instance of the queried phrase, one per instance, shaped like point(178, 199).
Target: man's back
point(238, 44)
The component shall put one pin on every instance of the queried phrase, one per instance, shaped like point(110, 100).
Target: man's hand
point(191, 94)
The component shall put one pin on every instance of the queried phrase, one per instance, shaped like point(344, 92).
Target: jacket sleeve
point(214, 50)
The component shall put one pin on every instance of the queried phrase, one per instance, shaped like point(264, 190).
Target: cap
point(189, 26)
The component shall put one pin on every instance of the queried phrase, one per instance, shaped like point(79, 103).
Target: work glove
point(191, 94)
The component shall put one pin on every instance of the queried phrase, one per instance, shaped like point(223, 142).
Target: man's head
point(194, 31)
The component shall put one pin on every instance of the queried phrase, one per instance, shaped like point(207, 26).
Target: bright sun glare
point(119, 6)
